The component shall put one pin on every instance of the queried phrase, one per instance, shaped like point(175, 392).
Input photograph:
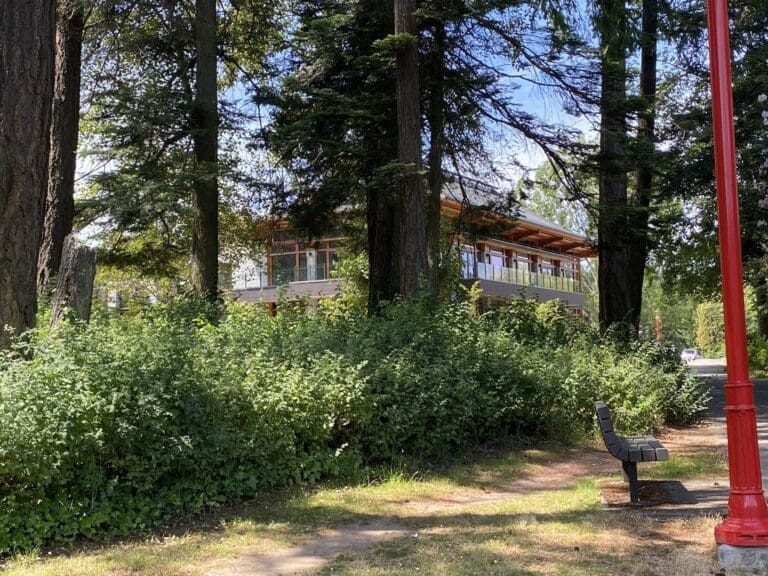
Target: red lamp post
point(747, 521)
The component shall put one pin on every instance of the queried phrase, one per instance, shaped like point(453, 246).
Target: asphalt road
point(713, 374)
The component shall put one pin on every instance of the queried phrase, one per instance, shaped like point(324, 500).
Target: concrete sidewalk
point(711, 495)
point(713, 374)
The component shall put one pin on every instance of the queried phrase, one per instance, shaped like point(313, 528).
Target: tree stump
point(74, 290)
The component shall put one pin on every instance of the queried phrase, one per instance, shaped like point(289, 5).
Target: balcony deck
point(311, 289)
point(511, 282)
point(498, 281)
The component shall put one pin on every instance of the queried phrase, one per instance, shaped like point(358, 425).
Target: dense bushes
point(107, 429)
point(710, 329)
point(758, 355)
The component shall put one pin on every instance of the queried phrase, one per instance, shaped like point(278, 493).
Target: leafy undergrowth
point(109, 429)
point(544, 530)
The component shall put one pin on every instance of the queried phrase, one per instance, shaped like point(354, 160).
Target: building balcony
point(500, 281)
point(519, 276)
point(287, 284)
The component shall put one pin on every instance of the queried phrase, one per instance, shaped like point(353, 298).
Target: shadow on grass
point(289, 516)
point(517, 544)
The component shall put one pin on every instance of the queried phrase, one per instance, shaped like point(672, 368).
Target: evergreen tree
point(71, 16)
point(413, 239)
point(164, 143)
point(688, 249)
point(612, 23)
point(335, 129)
point(643, 191)
point(334, 121)
point(204, 126)
point(26, 95)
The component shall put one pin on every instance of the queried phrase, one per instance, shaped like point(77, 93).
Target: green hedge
point(110, 428)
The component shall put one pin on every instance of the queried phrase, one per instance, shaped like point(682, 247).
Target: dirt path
point(543, 475)
point(312, 555)
point(309, 557)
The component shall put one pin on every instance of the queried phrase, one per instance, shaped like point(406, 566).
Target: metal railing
point(521, 277)
point(250, 280)
point(282, 276)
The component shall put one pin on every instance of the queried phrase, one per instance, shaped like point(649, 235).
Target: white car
point(689, 354)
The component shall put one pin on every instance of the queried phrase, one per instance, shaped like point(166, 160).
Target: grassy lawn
point(689, 464)
point(560, 532)
point(454, 521)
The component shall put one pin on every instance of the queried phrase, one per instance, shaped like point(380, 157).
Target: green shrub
point(758, 355)
point(110, 428)
point(710, 329)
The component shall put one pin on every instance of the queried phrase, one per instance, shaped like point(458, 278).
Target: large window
point(547, 267)
point(283, 267)
point(302, 261)
point(468, 261)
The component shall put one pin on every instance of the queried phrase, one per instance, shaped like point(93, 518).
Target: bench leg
point(630, 475)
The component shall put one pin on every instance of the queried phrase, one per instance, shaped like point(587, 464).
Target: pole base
point(751, 532)
point(753, 559)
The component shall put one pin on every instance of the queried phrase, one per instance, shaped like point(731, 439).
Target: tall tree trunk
point(205, 120)
point(383, 278)
point(27, 31)
point(646, 136)
point(436, 127)
point(60, 203)
point(613, 285)
point(413, 237)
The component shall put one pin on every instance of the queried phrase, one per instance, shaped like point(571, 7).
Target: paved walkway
point(712, 496)
point(714, 373)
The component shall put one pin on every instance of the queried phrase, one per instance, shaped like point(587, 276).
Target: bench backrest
point(612, 441)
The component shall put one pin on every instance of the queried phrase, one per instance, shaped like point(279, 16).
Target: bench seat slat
point(649, 454)
point(603, 412)
point(629, 449)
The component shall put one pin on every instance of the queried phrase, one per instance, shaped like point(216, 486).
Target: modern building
point(507, 254)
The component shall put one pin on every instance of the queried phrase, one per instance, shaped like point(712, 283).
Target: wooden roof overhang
point(520, 230)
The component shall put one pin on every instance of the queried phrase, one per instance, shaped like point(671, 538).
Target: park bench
point(629, 449)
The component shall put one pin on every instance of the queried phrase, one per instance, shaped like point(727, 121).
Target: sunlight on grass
point(456, 527)
point(276, 521)
point(561, 532)
point(704, 463)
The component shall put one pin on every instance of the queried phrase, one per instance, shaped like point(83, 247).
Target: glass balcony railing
point(287, 275)
point(521, 277)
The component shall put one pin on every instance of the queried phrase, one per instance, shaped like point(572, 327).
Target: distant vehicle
point(689, 354)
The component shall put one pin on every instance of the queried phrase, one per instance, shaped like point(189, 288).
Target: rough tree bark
point(60, 203)
point(643, 181)
point(205, 120)
point(383, 279)
point(436, 116)
point(74, 290)
point(27, 32)
point(615, 302)
point(382, 201)
point(413, 237)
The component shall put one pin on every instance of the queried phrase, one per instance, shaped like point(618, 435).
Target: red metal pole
point(747, 521)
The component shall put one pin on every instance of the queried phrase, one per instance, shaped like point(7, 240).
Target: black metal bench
point(629, 449)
